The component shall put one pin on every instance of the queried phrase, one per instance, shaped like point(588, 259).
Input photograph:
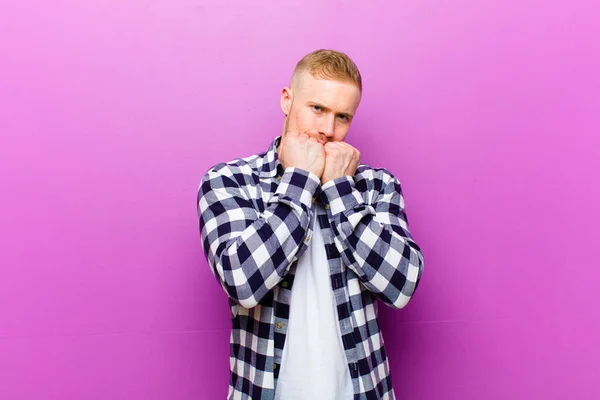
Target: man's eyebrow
point(347, 114)
point(316, 103)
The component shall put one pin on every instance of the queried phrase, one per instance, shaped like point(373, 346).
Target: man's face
point(321, 108)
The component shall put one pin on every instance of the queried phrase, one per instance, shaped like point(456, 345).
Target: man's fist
point(302, 151)
point(341, 159)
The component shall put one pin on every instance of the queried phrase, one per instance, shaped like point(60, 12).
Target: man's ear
point(286, 100)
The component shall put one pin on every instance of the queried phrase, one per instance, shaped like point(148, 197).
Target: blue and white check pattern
point(255, 222)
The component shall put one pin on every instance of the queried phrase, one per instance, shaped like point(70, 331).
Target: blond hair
point(329, 64)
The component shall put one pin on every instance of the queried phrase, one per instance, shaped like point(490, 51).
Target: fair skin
point(318, 116)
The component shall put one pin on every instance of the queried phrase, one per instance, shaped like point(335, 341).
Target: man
point(304, 238)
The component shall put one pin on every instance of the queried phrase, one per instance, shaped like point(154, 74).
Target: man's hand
point(341, 159)
point(302, 151)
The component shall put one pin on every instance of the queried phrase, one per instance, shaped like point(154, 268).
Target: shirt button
point(314, 200)
point(278, 177)
point(274, 366)
point(307, 239)
point(279, 325)
point(327, 206)
point(284, 284)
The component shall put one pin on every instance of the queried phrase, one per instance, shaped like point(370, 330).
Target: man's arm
point(373, 237)
point(249, 253)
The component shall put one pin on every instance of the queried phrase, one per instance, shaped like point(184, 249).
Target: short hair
point(329, 64)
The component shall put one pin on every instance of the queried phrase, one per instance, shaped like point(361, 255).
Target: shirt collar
point(271, 165)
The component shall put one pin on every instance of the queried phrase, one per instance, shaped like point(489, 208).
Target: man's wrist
point(298, 184)
point(341, 194)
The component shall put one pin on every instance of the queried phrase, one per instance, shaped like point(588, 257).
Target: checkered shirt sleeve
point(247, 252)
point(372, 237)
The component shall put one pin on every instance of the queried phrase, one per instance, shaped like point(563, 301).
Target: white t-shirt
point(313, 364)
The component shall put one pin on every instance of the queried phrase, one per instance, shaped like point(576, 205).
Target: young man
point(304, 239)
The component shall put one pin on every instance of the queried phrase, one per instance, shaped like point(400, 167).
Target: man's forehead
point(304, 79)
point(328, 91)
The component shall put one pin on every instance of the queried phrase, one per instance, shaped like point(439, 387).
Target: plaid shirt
point(255, 222)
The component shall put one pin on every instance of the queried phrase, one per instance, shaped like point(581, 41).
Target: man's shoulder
point(241, 170)
point(249, 165)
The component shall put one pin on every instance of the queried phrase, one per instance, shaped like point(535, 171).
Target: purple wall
point(111, 111)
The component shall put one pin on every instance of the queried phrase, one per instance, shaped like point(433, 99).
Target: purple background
point(111, 111)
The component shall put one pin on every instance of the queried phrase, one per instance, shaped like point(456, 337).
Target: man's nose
point(328, 126)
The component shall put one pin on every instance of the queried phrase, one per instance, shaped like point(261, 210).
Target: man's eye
point(317, 108)
point(344, 117)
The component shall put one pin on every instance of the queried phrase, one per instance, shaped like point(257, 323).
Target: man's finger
point(347, 146)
